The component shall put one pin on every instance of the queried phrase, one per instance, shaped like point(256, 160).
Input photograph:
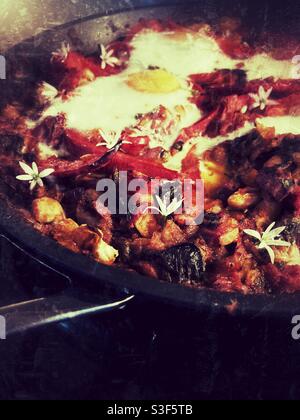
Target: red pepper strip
point(146, 167)
point(223, 80)
point(87, 143)
point(77, 61)
point(84, 143)
point(70, 168)
point(121, 161)
point(235, 48)
point(135, 146)
point(284, 46)
point(191, 164)
point(112, 160)
point(76, 68)
point(286, 106)
point(280, 87)
point(200, 127)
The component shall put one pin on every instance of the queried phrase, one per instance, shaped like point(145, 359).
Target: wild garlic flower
point(62, 54)
point(166, 207)
point(46, 93)
point(33, 176)
point(261, 99)
point(107, 58)
point(111, 139)
point(244, 109)
point(271, 237)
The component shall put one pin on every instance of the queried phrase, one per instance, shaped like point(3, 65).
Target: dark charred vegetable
point(10, 143)
point(223, 82)
point(211, 220)
point(290, 145)
point(241, 148)
point(292, 231)
point(279, 188)
point(183, 263)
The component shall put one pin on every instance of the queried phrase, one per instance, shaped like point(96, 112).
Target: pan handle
point(33, 257)
point(70, 304)
point(24, 316)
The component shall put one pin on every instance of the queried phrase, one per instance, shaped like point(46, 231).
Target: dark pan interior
point(26, 65)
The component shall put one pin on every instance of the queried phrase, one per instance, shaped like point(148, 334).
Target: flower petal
point(40, 182)
point(103, 51)
point(256, 105)
point(279, 243)
point(262, 93)
point(174, 206)
point(46, 172)
point(263, 106)
point(114, 60)
point(33, 185)
point(253, 233)
point(162, 205)
point(24, 177)
point(255, 97)
point(110, 54)
point(276, 232)
point(269, 93)
point(271, 253)
point(271, 102)
point(262, 245)
point(273, 234)
point(26, 168)
point(35, 168)
point(268, 230)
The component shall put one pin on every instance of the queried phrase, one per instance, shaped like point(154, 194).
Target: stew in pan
point(174, 151)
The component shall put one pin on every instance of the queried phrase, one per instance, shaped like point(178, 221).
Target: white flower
point(166, 206)
point(261, 99)
point(111, 139)
point(46, 92)
point(62, 54)
point(33, 176)
point(108, 58)
point(271, 237)
point(244, 110)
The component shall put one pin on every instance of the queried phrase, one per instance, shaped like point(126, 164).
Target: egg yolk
point(154, 81)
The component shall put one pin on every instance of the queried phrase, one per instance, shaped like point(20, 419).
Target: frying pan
point(126, 285)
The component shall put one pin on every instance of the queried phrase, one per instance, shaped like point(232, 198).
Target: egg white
point(197, 52)
point(287, 124)
point(110, 104)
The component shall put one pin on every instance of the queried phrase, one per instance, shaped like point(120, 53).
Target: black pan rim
point(14, 227)
point(48, 251)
